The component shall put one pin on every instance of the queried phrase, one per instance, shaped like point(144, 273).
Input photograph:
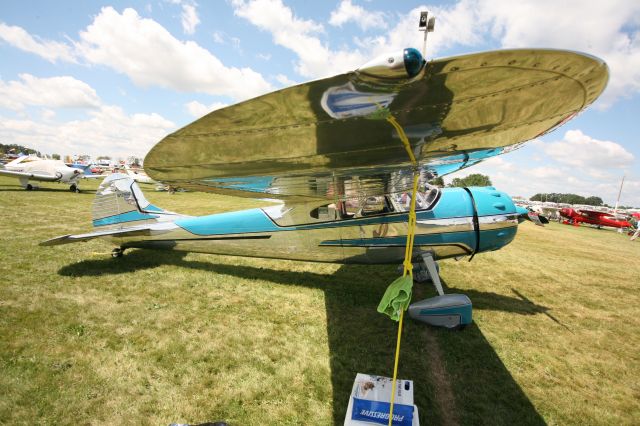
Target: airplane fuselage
point(593, 218)
point(448, 228)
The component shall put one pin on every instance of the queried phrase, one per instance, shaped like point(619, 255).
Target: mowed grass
point(159, 337)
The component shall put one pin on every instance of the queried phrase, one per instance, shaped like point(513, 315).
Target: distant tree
point(104, 157)
point(593, 201)
point(475, 179)
point(439, 182)
point(16, 149)
point(55, 156)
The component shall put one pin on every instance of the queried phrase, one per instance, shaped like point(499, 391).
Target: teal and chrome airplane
point(331, 152)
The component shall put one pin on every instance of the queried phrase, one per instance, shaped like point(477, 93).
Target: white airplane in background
point(30, 168)
point(138, 175)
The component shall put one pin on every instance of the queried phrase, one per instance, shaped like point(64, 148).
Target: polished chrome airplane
point(28, 168)
point(331, 152)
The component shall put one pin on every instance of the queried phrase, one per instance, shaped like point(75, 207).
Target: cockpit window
point(424, 199)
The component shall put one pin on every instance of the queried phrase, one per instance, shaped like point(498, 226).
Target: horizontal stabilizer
point(67, 239)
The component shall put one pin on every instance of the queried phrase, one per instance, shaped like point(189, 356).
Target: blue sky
point(112, 78)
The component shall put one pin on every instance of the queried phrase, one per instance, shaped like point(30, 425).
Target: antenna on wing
point(427, 25)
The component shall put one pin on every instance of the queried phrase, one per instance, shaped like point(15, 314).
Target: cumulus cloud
point(315, 59)
point(52, 51)
point(189, 18)
point(53, 92)
point(580, 150)
point(609, 30)
point(107, 130)
point(198, 109)
point(147, 53)
point(284, 80)
point(348, 12)
point(578, 164)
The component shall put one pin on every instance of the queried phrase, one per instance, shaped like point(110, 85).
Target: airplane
point(138, 175)
point(340, 154)
point(30, 168)
point(593, 217)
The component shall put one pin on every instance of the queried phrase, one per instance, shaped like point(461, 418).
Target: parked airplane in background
point(592, 217)
point(29, 168)
point(138, 175)
point(341, 155)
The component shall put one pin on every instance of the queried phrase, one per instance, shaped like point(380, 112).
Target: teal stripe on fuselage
point(489, 240)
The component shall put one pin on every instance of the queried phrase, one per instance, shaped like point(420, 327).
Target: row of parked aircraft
point(29, 168)
point(579, 214)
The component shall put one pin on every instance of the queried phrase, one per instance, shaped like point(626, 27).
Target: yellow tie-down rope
point(408, 254)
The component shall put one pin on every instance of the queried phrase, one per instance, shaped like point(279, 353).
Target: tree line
point(568, 199)
point(16, 149)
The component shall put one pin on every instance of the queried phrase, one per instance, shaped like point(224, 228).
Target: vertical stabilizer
point(119, 202)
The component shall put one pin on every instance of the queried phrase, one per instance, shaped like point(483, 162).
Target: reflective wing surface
point(328, 137)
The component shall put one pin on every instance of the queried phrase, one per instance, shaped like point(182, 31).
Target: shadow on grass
point(361, 340)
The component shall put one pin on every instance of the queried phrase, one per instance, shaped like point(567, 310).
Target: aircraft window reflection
point(424, 199)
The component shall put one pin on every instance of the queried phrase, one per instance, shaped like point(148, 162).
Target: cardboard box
point(370, 400)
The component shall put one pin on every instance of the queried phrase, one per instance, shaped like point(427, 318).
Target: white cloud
point(52, 51)
point(147, 53)
point(53, 92)
point(189, 18)
point(314, 58)
point(579, 150)
point(218, 37)
point(577, 164)
point(108, 130)
point(284, 80)
point(609, 30)
point(347, 12)
point(198, 109)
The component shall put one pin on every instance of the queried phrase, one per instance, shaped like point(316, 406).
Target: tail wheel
point(117, 252)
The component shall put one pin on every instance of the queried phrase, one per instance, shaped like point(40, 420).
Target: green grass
point(160, 337)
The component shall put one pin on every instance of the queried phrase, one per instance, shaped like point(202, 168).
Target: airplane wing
point(36, 176)
point(331, 137)
point(594, 214)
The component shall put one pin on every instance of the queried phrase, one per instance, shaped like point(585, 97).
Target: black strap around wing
point(476, 223)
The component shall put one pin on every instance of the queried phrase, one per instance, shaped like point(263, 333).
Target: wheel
point(117, 252)
point(74, 188)
point(29, 187)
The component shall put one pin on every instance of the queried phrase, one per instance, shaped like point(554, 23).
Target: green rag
point(397, 297)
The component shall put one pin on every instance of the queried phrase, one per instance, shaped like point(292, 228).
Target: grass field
point(160, 337)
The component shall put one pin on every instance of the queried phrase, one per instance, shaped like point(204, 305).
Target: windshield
point(424, 199)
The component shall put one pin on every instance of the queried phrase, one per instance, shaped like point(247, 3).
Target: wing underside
point(333, 136)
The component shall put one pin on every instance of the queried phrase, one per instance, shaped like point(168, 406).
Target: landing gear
point(452, 311)
point(74, 188)
point(29, 187)
point(117, 252)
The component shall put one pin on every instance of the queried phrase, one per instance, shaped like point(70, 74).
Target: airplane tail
point(119, 202)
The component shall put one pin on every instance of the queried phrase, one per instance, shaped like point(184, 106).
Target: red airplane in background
point(576, 217)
